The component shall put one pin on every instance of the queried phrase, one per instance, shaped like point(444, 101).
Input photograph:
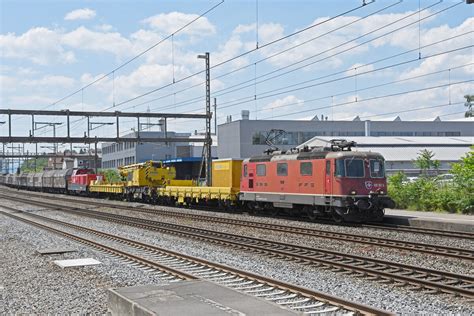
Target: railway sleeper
point(300, 301)
point(277, 292)
point(209, 274)
point(280, 298)
point(467, 285)
point(230, 282)
point(250, 287)
point(400, 283)
point(226, 278)
point(312, 305)
point(245, 283)
point(452, 282)
point(261, 290)
point(324, 311)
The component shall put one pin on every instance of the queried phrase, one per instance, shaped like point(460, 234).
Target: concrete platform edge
point(119, 305)
point(428, 223)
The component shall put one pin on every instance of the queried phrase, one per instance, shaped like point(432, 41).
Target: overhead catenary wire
point(139, 55)
point(219, 92)
point(377, 97)
point(273, 92)
point(273, 55)
point(362, 89)
point(250, 82)
point(304, 102)
point(242, 55)
point(176, 92)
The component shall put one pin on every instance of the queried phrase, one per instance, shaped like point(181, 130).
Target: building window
point(261, 170)
point(282, 169)
point(306, 169)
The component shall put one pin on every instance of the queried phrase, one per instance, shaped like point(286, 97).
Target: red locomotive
point(80, 180)
point(321, 182)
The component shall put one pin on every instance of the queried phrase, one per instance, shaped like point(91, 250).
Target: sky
point(277, 59)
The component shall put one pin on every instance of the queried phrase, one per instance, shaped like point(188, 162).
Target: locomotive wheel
point(274, 211)
point(337, 218)
point(310, 213)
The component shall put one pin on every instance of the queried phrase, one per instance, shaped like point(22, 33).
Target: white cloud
point(50, 81)
point(168, 23)
point(84, 38)
point(80, 14)
point(284, 102)
point(104, 27)
point(244, 28)
point(39, 45)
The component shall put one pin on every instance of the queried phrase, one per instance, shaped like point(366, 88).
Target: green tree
point(469, 101)
point(425, 161)
point(29, 165)
point(463, 172)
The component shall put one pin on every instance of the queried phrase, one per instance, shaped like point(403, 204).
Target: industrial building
point(119, 154)
point(245, 138)
point(399, 141)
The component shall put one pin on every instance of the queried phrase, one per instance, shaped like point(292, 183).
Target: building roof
point(397, 141)
point(411, 153)
point(406, 148)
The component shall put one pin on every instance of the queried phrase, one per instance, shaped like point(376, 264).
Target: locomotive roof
point(310, 155)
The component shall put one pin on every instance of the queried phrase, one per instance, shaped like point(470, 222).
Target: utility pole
point(208, 145)
point(215, 116)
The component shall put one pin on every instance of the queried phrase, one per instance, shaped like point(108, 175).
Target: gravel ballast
point(389, 297)
point(31, 283)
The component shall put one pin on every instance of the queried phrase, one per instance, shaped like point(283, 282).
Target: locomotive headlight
point(382, 192)
point(353, 192)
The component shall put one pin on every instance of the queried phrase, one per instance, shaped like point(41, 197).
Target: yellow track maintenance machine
point(223, 193)
point(139, 181)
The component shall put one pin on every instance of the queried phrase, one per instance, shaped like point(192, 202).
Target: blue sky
point(52, 48)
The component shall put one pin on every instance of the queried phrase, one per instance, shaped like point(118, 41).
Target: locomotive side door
point(328, 178)
point(251, 174)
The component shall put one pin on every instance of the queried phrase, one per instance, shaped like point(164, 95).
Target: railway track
point(432, 281)
point(378, 226)
point(174, 267)
point(381, 226)
point(453, 252)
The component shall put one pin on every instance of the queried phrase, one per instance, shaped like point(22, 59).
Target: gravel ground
point(384, 296)
point(384, 253)
point(32, 284)
point(401, 256)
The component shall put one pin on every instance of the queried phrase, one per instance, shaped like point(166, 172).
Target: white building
point(400, 152)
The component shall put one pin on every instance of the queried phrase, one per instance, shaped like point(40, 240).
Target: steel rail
point(391, 227)
point(305, 292)
point(437, 250)
point(431, 279)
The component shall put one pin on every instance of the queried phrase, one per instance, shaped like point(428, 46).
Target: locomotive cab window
point(354, 168)
point(377, 169)
point(306, 169)
point(245, 170)
point(340, 168)
point(282, 169)
point(261, 170)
